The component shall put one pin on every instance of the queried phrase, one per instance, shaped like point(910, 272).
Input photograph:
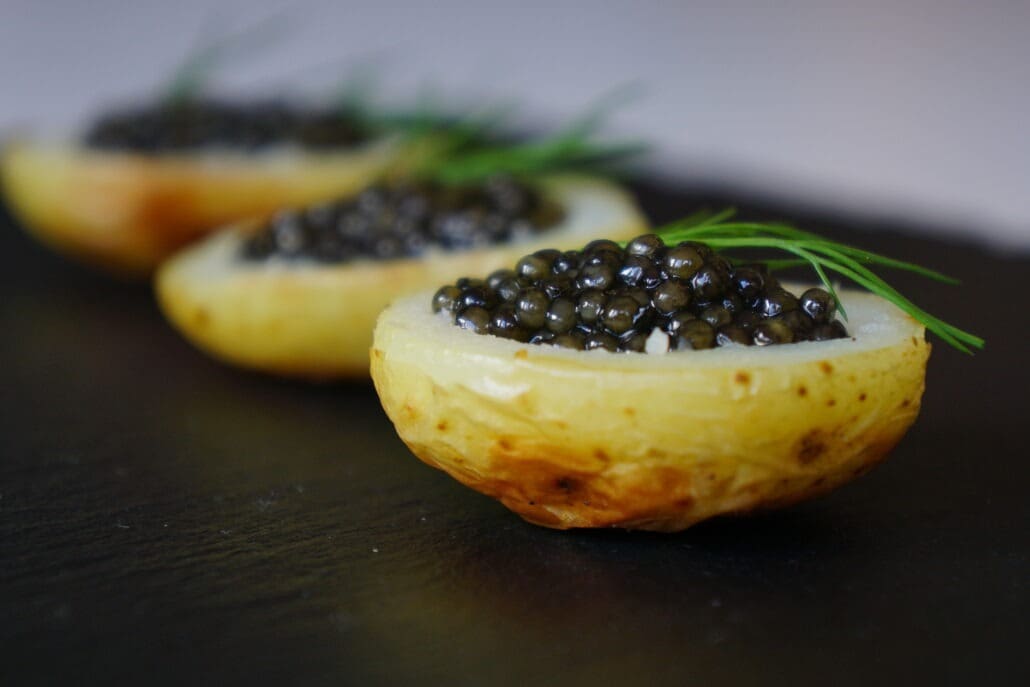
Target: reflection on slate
point(165, 519)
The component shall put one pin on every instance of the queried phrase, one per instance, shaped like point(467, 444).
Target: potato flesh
point(572, 439)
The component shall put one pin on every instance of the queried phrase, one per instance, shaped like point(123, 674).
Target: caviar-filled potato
point(145, 181)
point(656, 386)
point(299, 295)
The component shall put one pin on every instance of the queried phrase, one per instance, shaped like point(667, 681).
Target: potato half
point(302, 318)
point(659, 442)
point(126, 212)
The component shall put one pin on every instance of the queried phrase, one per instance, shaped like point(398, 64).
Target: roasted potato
point(312, 320)
point(127, 211)
point(595, 439)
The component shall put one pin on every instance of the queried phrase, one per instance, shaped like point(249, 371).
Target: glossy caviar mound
point(569, 438)
point(407, 219)
point(250, 126)
point(313, 318)
point(644, 297)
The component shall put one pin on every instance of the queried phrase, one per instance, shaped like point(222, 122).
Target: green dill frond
point(214, 49)
point(719, 232)
point(574, 147)
point(430, 114)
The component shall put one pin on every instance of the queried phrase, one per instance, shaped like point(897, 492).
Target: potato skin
point(643, 442)
point(316, 321)
point(126, 212)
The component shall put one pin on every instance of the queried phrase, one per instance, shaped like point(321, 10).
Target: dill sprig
point(720, 232)
point(194, 74)
point(429, 115)
point(574, 147)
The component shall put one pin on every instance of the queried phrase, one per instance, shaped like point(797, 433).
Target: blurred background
point(908, 110)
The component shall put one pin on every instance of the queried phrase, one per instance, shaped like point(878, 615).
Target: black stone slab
point(168, 520)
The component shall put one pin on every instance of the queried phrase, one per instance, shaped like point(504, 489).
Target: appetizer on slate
point(298, 295)
point(658, 384)
point(144, 181)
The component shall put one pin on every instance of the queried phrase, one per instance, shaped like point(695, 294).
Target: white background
point(915, 109)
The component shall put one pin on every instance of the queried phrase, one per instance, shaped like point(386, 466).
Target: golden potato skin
point(644, 442)
point(126, 212)
point(316, 321)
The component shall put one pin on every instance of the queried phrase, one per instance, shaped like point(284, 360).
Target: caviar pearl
point(498, 277)
point(507, 324)
point(633, 342)
point(682, 262)
point(732, 334)
point(573, 340)
point(776, 303)
point(476, 295)
point(677, 321)
point(747, 319)
point(601, 340)
point(818, 305)
point(671, 296)
point(648, 246)
point(717, 316)
point(825, 332)
point(510, 287)
point(561, 315)
point(533, 267)
point(772, 332)
point(475, 319)
point(748, 283)
point(590, 305)
point(566, 263)
point(619, 314)
point(531, 307)
point(638, 270)
point(708, 283)
point(694, 335)
point(446, 299)
point(597, 276)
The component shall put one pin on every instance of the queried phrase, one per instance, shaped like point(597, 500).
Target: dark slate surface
point(166, 520)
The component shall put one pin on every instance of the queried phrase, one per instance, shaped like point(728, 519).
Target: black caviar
point(404, 219)
point(248, 126)
point(610, 297)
